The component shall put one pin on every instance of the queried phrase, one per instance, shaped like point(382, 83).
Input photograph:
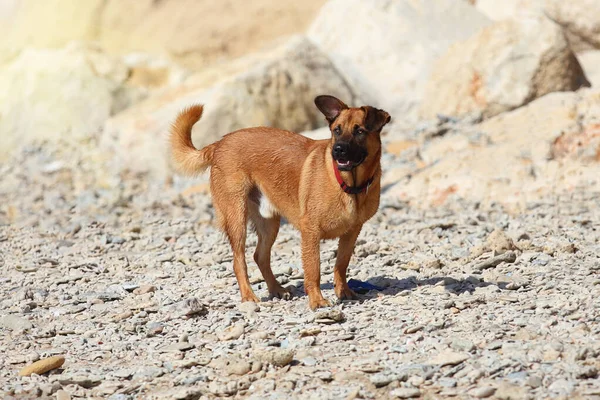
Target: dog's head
point(355, 132)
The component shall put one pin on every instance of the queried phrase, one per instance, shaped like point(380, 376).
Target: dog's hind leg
point(267, 230)
point(232, 211)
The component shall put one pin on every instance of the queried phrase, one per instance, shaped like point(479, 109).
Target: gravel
point(133, 285)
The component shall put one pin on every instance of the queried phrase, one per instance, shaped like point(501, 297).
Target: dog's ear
point(375, 119)
point(330, 106)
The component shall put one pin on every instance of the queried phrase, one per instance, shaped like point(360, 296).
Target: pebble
point(448, 357)
point(405, 393)
point(43, 366)
point(232, 333)
point(482, 392)
point(277, 357)
point(15, 323)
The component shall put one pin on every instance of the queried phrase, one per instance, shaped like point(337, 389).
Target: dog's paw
point(281, 293)
point(345, 293)
point(318, 303)
point(250, 297)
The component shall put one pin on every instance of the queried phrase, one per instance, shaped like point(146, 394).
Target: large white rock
point(505, 9)
point(549, 147)
point(505, 66)
point(386, 48)
point(275, 88)
point(579, 18)
point(49, 94)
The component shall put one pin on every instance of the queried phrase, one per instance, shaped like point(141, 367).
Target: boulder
point(580, 19)
point(505, 66)
point(385, 48)
point(68, 93)
point(506, 9)
point(194, 32)
point(590, 62)
point(275, 88)
point(548, 147)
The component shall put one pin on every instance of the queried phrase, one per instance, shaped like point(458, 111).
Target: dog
point(326, 189)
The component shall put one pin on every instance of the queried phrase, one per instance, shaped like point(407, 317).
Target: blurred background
point(491, 102)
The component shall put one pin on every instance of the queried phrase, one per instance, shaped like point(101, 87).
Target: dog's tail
point(188, 159)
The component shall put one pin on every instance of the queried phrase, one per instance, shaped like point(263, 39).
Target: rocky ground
point(134, 287)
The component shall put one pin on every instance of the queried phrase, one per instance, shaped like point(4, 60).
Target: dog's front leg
point(344, 253)
point(311, 261)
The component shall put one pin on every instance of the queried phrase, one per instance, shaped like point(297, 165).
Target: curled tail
point(188, 159)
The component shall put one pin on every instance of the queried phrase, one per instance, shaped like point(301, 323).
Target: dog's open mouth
point(348, 165)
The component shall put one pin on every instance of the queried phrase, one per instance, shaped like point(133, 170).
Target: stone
point(43, 366)
point(238, 367)
point(590, 62)
point(536, 147)
point(511, 63)
point(580, 19)
point(248, 307)
point(482, 392)
point(15, 323)
point(232, 333)
point(63, 395)
point(332, 315)
point(405, 393)
point(277, 357)
point(144, 289)
point(403, 36)
point(274, 88)
point(507, 391)
point(53, 93)
point(448, 357)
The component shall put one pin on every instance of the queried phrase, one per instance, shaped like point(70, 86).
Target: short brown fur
point(297, 176)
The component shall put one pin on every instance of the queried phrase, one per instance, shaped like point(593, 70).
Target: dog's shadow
point(393, 286)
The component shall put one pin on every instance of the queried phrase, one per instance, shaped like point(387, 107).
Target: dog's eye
point(359, 131)
point(337, 130)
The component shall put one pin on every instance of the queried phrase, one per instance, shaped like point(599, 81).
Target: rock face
point(499, 10)
point(277, 90)
point(192, 31)
point(49, 94)
point(385, 49)
point(551, 145)
point(501, 68)
point(590, 62)
point(580, 19)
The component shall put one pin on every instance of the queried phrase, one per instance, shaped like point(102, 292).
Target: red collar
point(350, 189)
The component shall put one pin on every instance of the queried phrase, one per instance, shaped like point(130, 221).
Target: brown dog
point(325, 188)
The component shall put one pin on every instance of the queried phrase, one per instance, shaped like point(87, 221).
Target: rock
point(144, 289)
point(248, 307)
point(510, 9)
point(510, 64)
point(405, 393)
point(15, 323)
point(277, 357)
point(330, 315)
point(43, 366)
point(238, 367)
point(508, 257)
point(507, 391)
point(562, 386)
point(536, 147)
point(54, 93)
point(482, 392)
point(590, 62)
point(381, 379)
point(232, 333)
point(63, 395)
point(460, 344)
point(580, 19)
point(448, 357)
point(405, 38)
point(249, 26)
point(190, 307)
point(274, 88)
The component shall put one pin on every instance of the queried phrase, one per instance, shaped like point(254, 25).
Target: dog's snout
point(340, 150)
